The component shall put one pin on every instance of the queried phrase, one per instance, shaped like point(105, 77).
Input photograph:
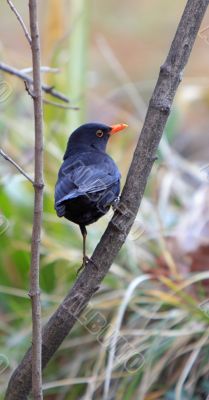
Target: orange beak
point(116, 128)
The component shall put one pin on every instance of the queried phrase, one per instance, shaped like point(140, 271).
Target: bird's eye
point(99, 133)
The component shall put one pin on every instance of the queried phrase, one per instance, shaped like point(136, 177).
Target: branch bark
point(22, 75)
point(8, 158)
point(59, 105)
point(115, 235)
point(13, 8)
point(38, 207)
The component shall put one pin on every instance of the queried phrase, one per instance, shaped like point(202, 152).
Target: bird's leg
point(84, 233)
point(85, 258)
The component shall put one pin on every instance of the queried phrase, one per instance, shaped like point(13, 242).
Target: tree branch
point(26, 78)
point(59, 105)
point(13, 8)
point(88, 282)
point(6, 157)
point(44, 69)
point(38, 207)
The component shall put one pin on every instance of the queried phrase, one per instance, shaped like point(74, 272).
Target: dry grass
point(153, 303)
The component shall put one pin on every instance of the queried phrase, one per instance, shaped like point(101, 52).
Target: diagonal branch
point(6, 157)
point(26, 78)
point(64, 318)
point(59, 105)
point(13, 8)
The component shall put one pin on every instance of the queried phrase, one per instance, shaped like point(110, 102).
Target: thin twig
point(29, 89)
point(6, 157)
point(51, 90)
point(38, 206)
point(13, 8)
point(55, 104)
point(46, 88)
point(43, 69)
point(68, 313)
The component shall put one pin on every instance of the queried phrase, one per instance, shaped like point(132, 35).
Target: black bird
point(88, 180)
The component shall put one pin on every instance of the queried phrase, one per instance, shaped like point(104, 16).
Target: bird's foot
point(115, 203)
point(85, 262)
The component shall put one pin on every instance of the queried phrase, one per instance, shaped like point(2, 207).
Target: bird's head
point(93, 135)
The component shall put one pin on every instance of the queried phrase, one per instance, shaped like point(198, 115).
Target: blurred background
point(153, 342)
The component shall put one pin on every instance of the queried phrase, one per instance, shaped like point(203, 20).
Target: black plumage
point(88, 180)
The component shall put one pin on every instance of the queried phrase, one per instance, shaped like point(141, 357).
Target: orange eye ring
point(99, 133)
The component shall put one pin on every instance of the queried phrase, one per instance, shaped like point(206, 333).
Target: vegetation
point(155, 297)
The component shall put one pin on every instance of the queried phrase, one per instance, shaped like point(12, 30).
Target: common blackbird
point(88, 180)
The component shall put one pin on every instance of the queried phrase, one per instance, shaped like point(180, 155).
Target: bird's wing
point(84, 177)
point(95, 177)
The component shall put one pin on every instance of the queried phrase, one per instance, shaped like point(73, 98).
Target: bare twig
point(53, 103)
point(64, 318)
point(38, 184)
point(29, 89)
point(13, 8)
point(38, 206)
point(43, 69)
point(46, 88)
point(6, 157)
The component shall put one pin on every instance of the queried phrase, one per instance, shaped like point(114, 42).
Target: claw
point(85, 262)
point(115, 203)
